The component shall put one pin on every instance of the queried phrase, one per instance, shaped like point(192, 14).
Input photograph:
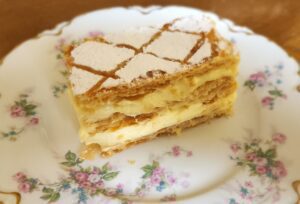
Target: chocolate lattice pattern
point(199, 37)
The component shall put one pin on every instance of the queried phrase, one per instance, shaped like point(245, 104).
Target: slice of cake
point(133, 86)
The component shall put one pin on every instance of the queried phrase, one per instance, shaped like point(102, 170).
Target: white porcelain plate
point(252, 157)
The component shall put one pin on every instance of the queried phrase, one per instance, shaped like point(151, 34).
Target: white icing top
point(146, 63)
point(110, 82)
point(203, 52)
point(82, 81)
point(173, 45)
point(132, 36)
point(169, 45)
point(100, 56)
point(193, 24)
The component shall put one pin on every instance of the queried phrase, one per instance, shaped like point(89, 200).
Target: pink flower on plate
point(171, 179)
point(60, 43)
point(235, 147)
point(250, 197)
point(158, 171)
point(261, 170)
point(249, 184)
point(99, 185)
point(189, 154)
point(96, 170)
point(95, 33)
point(258, 77)
point(79, 176)
point(24, 187)
point(250, 156)
point(94, 178)
point(279, 138)
point(34, 121)
point(19, 177)
point(185, 184)
point(109, 166)
point(111, 192)
point(154, 180)
point(267, 100)
point(279, 170)
point(17, 111)
point(141, 194)
point(176, 151)
point(260, 161)
point(120, 186)
point(85, 184)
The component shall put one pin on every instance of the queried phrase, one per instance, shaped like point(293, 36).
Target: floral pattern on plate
point(260, 158)
point(22, 108)
point(270, 79)
point(81, 181)
point(60, 87)
point(87, 182)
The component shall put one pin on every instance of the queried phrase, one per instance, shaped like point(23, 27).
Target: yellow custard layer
point(178, 90)
point(164, 119)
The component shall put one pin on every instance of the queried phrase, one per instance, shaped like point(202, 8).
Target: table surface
point(277, 19)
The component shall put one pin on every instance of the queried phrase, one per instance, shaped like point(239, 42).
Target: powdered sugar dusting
point(203, 52)
point(135, 37)
point(110, 82)
point(174, 45)
point(145, 63)
point(161, 55)
point(194, 24)
point(100, 56)
point(82, 81)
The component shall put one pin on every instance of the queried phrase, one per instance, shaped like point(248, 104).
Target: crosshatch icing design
point(107, 61)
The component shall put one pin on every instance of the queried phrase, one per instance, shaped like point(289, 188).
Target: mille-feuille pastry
point(133, 86)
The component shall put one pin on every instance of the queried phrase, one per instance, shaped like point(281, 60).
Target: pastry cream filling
point(177, 91)
point(165, 119)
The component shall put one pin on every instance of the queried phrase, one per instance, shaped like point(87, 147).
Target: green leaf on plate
point(23, 102)
point(147, 174)
point(110, 176)
point(271, 153)
point(46, 196)
point(155, 164)
point(47, 190)
point(240, 163)
point(105, 168)
point(147, 168)
point(276, 92)
point(54, 197)
point(250, 84)
point(30, 107)
point(68, 163)
point(70, 156)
